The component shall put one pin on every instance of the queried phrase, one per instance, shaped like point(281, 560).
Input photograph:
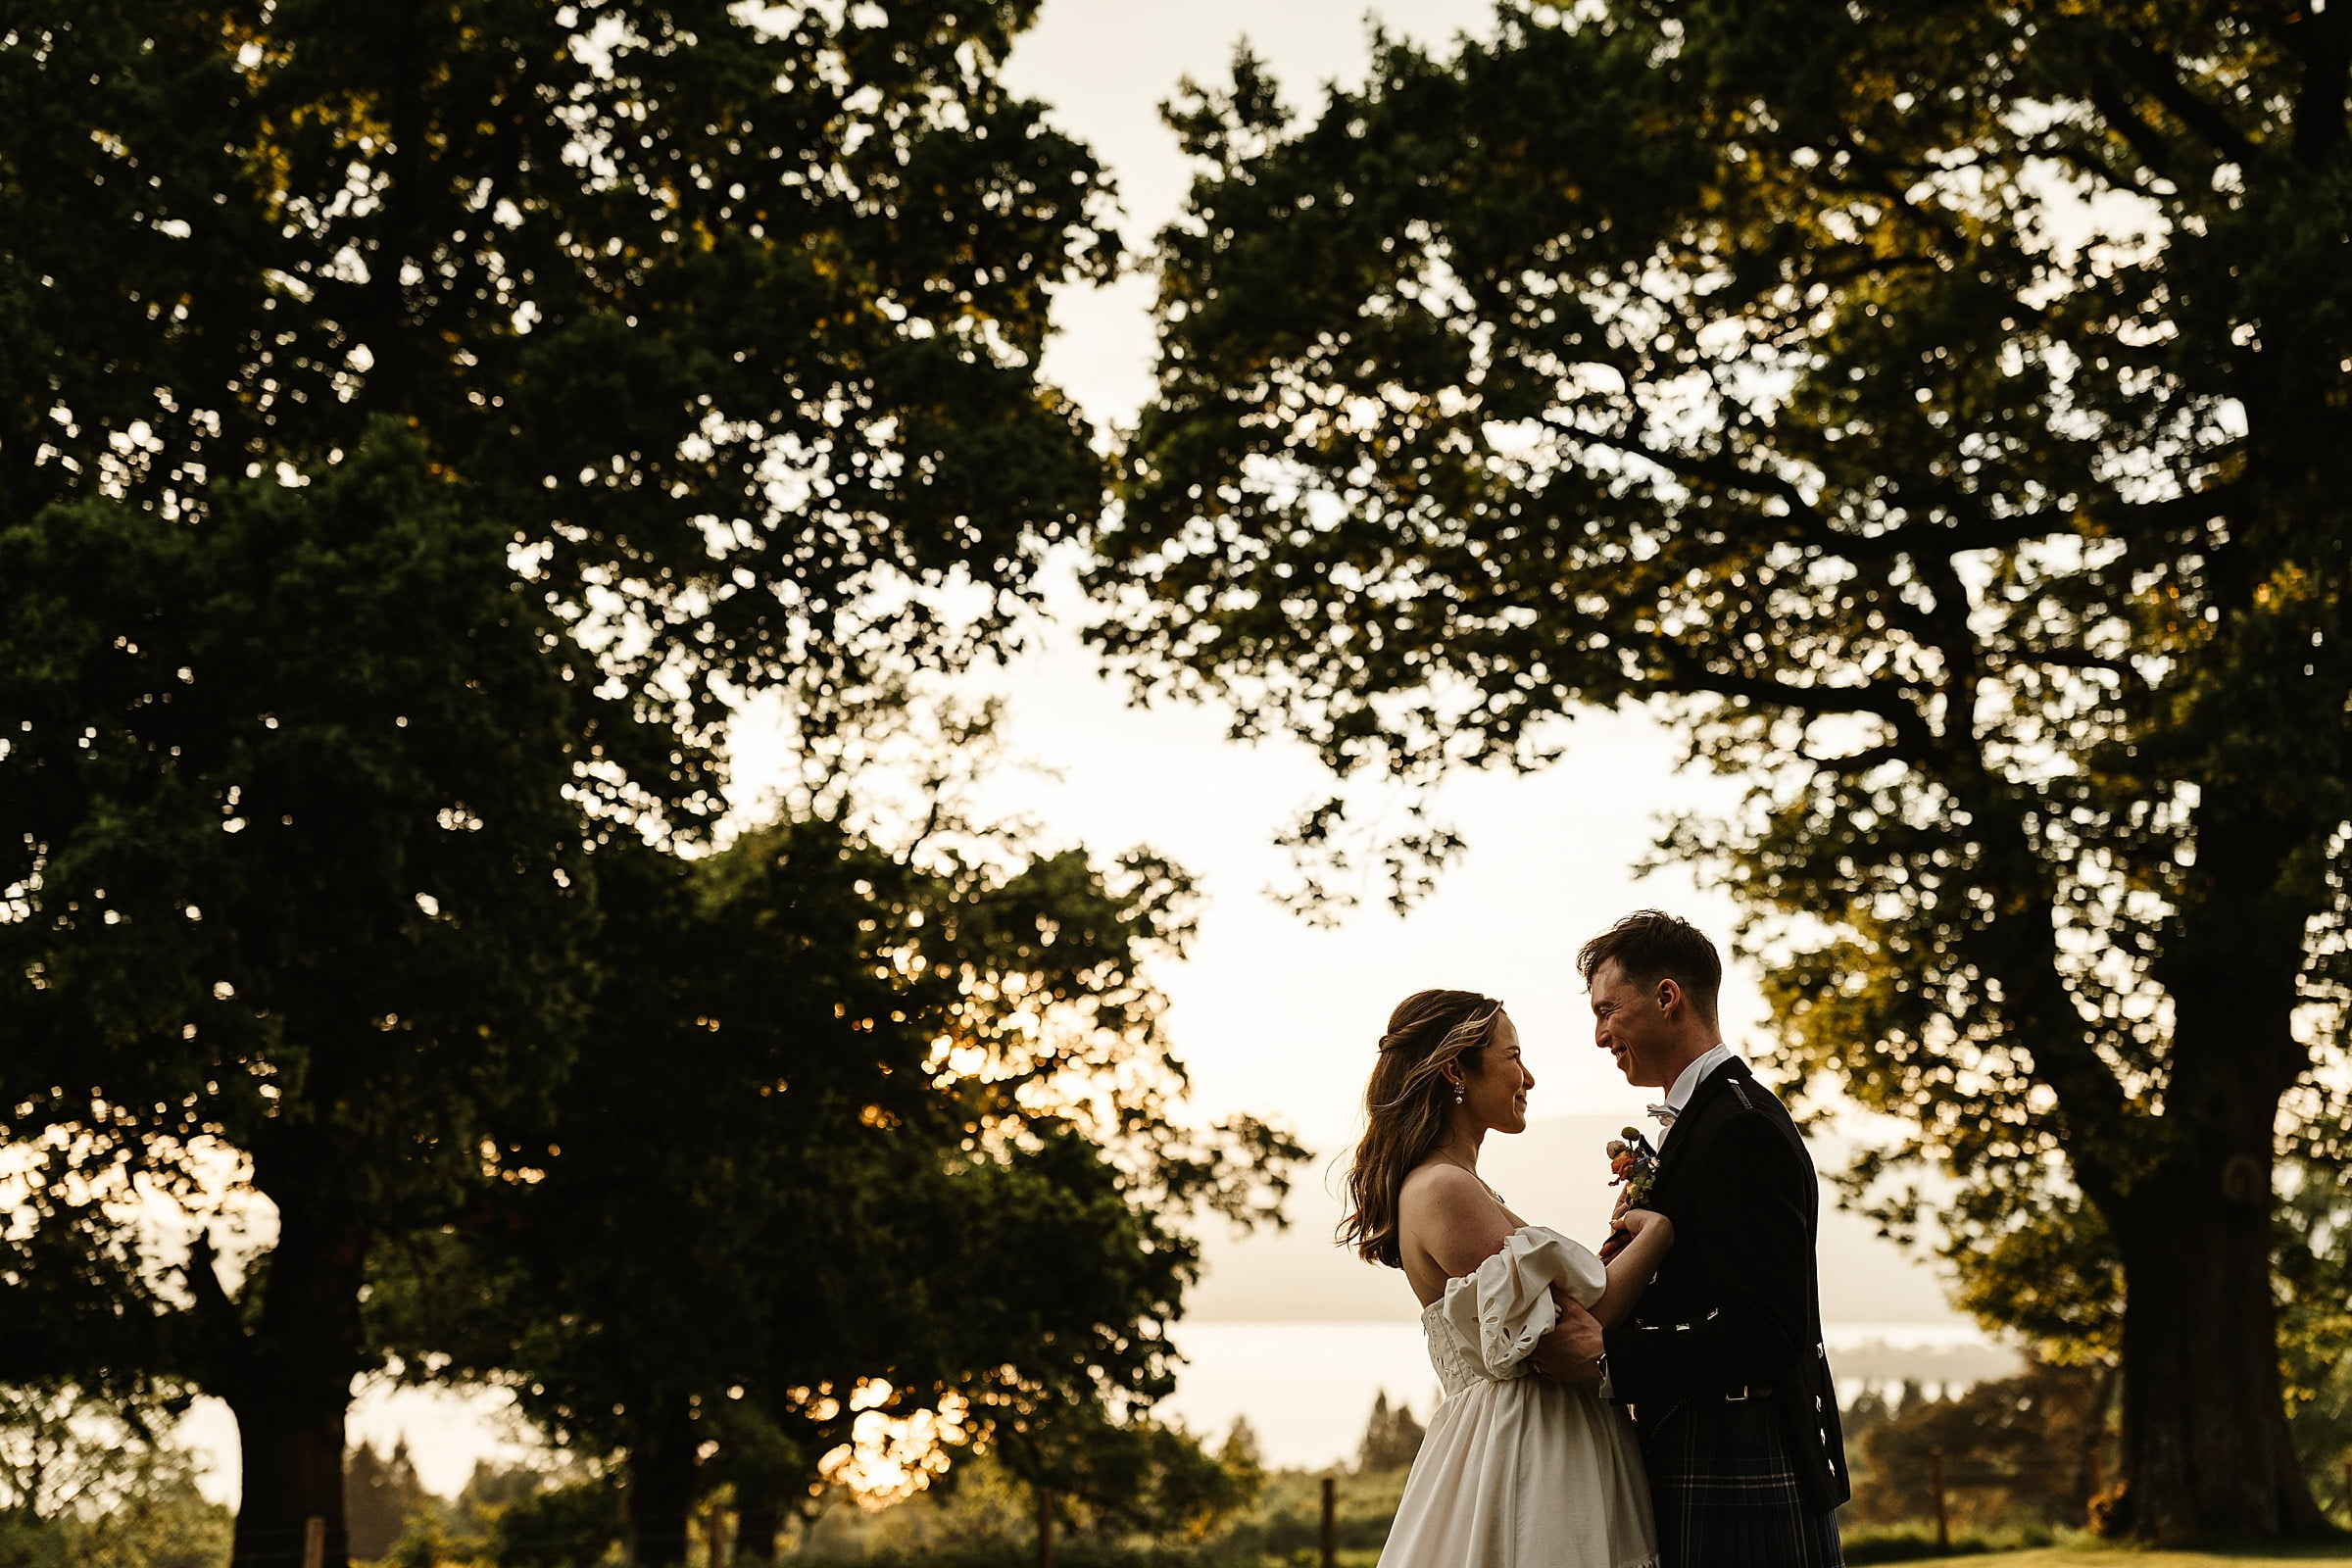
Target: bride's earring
point(1457, 1094)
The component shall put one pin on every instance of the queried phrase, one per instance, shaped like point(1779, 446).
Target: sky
point(1274, 1016)
point(1271, 1015)
point(1106, 66)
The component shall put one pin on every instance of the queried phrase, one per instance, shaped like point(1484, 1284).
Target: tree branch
point(2087, 154)
point(2063, 658)
point(221, 1326)
point(2017, 944)
point(1716, 469)
point(1879, 180)
point(1688, 675)
point(2189, 508)
point(2203, 120)
point(1945, 540)
point(2323, 41)
point(1815, 527)
point(1855, 762)
point(2155, 153)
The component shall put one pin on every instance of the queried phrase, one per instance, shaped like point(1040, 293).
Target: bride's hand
point(1637, 1221)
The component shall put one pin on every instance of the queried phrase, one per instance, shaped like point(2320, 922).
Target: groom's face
point(1631, 1026)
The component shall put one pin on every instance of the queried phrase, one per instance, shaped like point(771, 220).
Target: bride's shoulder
point(1441, 1182)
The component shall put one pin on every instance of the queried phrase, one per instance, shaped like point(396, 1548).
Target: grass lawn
point(2324, 1556)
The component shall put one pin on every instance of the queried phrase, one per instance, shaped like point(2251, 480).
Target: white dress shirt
point(1686, 1084)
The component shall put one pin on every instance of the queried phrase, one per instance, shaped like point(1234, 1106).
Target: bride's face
point(1494, 1092)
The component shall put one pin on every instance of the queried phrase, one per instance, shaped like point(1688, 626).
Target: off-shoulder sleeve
point(1507, 1305)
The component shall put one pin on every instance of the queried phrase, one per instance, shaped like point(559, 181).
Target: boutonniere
point(1633, 1167)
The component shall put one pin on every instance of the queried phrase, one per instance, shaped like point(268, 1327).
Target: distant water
point(1307, 1388)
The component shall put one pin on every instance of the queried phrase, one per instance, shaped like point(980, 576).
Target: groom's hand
point(1571, 1353)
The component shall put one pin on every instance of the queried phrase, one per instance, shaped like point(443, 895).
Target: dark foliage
point(1934, 411)
point(2035, 1450)
point(417, 427)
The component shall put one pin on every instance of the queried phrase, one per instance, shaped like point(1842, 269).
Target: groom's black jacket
point(1738, 1301)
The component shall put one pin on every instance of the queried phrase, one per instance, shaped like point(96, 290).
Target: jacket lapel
point(1688, 1125)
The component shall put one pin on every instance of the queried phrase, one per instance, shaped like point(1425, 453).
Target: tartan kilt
point(1726, 1493)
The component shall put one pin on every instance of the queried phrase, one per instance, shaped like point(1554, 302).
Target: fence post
point(313, 1543)
point(1944, 1519)
point(1044, 1527)
point(1331, 1521)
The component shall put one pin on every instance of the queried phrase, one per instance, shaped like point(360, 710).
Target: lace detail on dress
point(1487, 1322)
point(1458, 1365)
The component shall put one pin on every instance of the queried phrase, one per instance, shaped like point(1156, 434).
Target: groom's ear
point(1670, 992)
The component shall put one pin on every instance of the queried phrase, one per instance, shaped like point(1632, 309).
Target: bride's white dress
point(1517, 1471)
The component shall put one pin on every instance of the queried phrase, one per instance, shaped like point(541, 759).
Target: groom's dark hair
point(1650, 946)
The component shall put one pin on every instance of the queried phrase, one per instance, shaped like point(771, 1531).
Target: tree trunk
point(659, 1495)
point(289, 1385)
point(2206, 1454)
point(2090, 1469)
point(759, 1522)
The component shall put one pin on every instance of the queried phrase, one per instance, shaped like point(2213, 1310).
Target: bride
point(1517, 1469)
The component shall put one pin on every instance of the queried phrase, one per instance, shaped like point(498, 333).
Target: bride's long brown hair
point(1404, 1109)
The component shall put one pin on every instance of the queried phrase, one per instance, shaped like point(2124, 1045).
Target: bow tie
point(1665, 1115)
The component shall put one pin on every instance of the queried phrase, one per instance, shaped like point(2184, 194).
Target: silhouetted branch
point(1715, 470)
point(2323, 41)
point(1913, 742)
point(222, 1325)
point(2204, 119)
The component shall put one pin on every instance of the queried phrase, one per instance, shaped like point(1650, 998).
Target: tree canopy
point(731, 319)
point(297, 895)
point(1936, 411)
point(853, 1135)
point(420, 427)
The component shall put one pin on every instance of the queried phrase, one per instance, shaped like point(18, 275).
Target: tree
point(87, 1477)
point(1138, 1476)
point(853, 1135)
point(1391, 1438)
point(2026, 1449)
point(569, 1526)
point(1934, 411)
point(1240, 1450)
point(381, 1495)
point(420, 427)
point(296, 920)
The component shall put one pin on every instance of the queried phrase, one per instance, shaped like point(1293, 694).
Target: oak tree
point(851, 1135)
point(417, 425)
point(1934, 411)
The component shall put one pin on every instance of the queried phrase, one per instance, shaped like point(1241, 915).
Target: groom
point(1722, 1363)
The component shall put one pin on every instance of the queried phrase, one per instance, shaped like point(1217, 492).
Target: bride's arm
point(1630, 1270)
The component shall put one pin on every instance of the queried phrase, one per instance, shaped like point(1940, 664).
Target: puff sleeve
point(1507, 1305)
